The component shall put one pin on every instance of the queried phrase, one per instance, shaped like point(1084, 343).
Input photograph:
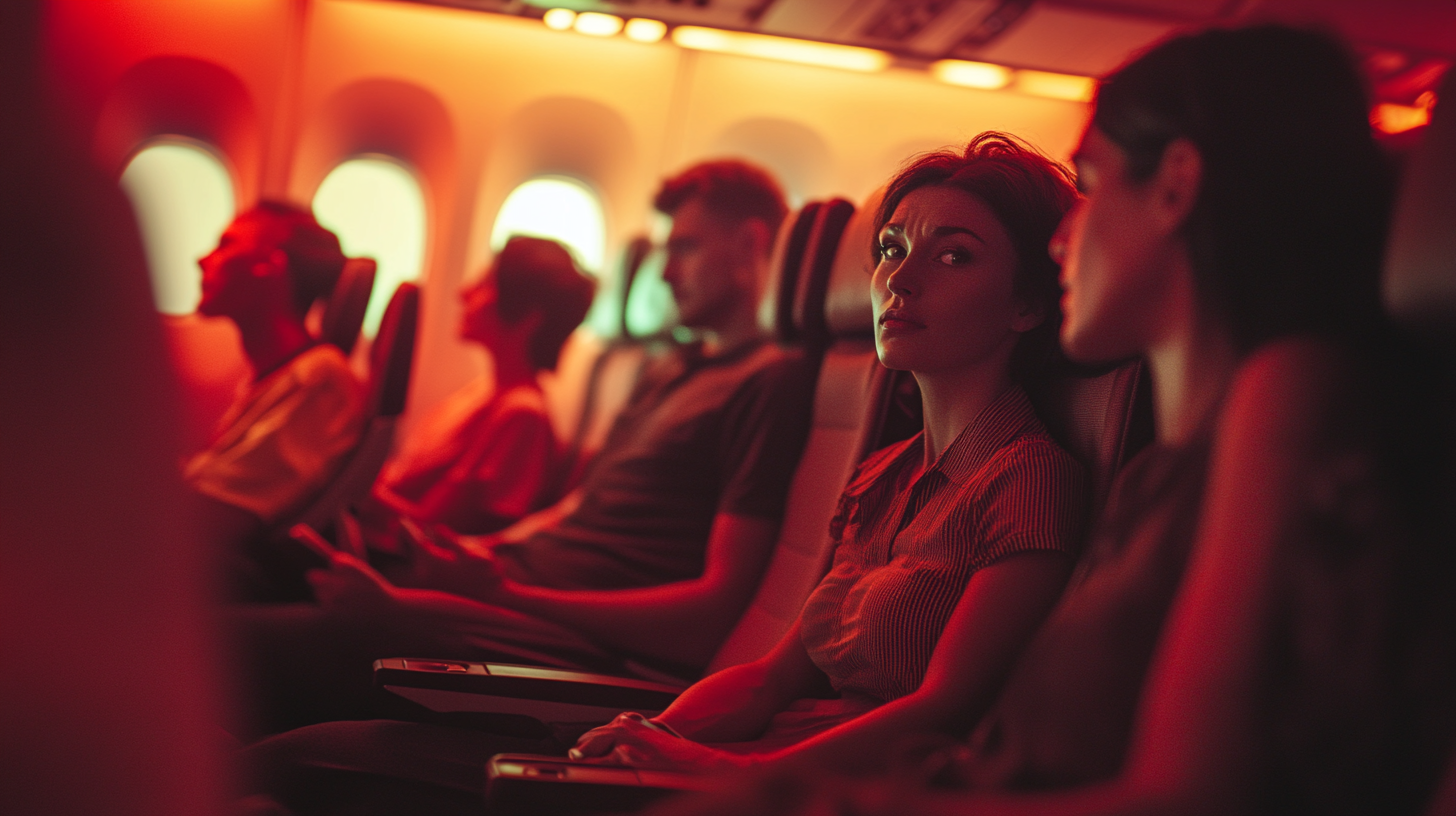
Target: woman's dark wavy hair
point(1288, 229)
point(1029, 193)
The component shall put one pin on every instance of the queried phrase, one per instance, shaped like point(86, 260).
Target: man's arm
point(683, 621)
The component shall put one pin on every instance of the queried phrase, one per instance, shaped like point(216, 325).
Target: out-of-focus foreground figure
point(109, 684)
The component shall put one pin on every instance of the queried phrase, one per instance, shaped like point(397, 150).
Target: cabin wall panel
point(505, 82)
point(865, 119)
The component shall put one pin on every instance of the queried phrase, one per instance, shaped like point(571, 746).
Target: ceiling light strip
point(784, 49)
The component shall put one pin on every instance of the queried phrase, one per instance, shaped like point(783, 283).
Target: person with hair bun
point(488, 456)
point(287, 434)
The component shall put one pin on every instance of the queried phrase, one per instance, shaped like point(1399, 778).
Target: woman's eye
point(891, 251)
point(953, 256)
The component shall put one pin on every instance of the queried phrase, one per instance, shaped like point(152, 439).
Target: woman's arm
point(733, 705)
point(1000, 610)
point(737, 703)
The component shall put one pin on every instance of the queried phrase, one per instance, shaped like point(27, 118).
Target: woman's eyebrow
point(952, 230)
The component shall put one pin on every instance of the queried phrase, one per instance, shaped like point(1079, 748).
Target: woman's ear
point(1177, 183)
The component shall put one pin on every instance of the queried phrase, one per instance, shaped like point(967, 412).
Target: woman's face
point(1116, 251)
point(480, 321)
point(943, 291)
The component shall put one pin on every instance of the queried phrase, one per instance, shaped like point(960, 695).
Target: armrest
point(529, 784)
point(549, 695)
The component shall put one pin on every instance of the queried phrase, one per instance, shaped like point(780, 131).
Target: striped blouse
point(905, 551)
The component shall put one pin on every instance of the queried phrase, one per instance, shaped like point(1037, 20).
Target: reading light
point(559, 19)
point(1056, 86)
point(644, 30)
point(847, 57)
point(597, 24)
point(981, 75)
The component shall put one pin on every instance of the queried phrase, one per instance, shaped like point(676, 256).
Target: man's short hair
point(537, 275)
point(732, 188)
point(315, 259)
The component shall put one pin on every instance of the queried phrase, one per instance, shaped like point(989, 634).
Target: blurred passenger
point(967, 529)
point(289, 431)
point(656, 554)
point(1258, 640)
point(488, 456)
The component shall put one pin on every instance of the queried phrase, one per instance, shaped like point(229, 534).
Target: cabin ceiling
point(1406, 45)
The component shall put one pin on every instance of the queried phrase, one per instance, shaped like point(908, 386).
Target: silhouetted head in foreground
point(1289, 192)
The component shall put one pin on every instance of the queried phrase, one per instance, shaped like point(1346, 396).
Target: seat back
point(344, 313)
point(1100, 418)
point(849, 401)
point(776, 309)
point(391, 362)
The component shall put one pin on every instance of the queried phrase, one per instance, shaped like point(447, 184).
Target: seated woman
point(488, 456)
point(951, 546)
point(1287, 659)
point(288, 433)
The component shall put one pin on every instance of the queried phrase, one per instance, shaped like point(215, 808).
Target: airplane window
point(376, 207)
point(183, 199)
point(560, 208)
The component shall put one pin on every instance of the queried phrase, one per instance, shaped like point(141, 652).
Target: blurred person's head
point(532, 292)
point(963, 281)
point(274, 249)
point(725, 217)
point(1246, 154)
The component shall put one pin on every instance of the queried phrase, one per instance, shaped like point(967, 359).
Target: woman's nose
point(901, 280)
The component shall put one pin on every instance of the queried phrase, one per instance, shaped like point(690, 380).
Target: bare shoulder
point(1283, 389)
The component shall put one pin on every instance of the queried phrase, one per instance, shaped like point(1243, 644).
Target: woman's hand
point(632, 739)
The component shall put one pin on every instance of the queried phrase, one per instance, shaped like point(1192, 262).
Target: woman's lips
point(893, 322)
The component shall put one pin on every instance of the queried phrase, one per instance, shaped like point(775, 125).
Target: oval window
point(560, 208)
point(376, 207)
point(183, 199)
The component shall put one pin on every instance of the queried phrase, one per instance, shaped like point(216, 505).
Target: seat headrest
point(391, 360)
point(776, 309)
point(344, 313)
point(819, 256)
point(847, 309)
point(1420, 260)
point(637, 251)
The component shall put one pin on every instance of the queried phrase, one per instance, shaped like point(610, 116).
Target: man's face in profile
point(702, 256)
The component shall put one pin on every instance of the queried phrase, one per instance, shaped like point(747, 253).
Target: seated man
point(657, 553)
point(287, 434)
point(488, 456)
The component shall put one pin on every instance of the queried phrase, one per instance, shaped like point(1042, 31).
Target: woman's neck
point(952, 400)
point(1191, 371)
point(272, 341)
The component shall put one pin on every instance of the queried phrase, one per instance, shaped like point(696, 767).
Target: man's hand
point(633, 740)
point(352, 587)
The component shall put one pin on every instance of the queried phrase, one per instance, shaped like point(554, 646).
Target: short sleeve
point(503, 475)
point(765, 427)
point(1035, 501)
